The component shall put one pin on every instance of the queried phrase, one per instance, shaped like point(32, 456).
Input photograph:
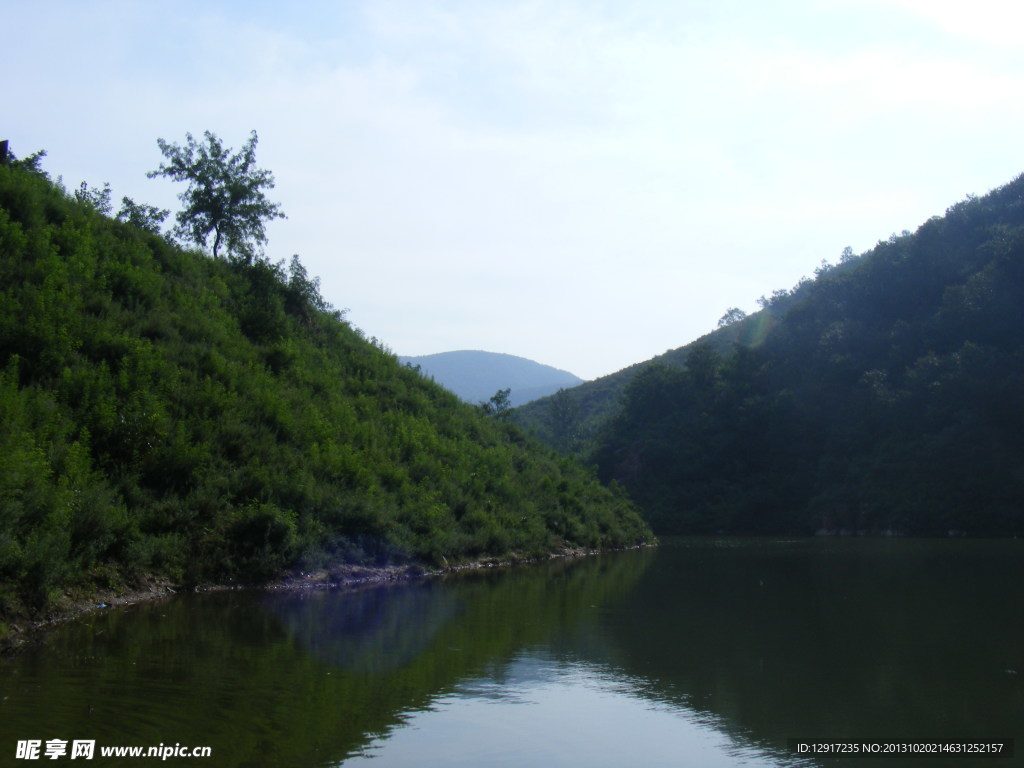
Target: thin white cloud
point(583, 183)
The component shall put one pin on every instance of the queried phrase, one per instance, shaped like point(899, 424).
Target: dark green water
point(699, 653)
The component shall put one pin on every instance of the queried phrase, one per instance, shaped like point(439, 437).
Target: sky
point(585, 183)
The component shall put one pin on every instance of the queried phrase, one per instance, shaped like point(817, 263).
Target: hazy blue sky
point(586, 184)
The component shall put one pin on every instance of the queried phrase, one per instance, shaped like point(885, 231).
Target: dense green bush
point(167, 413)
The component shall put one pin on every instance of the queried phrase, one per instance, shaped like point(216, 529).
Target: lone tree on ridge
point(225, 195)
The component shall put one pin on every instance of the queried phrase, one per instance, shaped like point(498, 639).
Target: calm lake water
point(708, 652)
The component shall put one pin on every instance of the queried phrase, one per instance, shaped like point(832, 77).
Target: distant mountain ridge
point(475, 375)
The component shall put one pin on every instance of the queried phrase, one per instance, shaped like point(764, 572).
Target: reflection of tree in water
point(368, 631)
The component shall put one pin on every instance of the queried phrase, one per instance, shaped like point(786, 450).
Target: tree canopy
point(884, 396)
point(225, 197)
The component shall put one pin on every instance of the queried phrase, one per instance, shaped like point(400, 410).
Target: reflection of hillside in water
point(368, 631)
point(758, 641)
point(298, 680)
point(377, 629)
point(837, 639)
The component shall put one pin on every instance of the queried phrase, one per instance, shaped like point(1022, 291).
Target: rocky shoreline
point(22, 632)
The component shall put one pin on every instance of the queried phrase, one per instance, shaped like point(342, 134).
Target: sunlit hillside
point(165, 413)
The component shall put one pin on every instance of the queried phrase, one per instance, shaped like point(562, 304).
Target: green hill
point(165, 413)
point(887, 395)
point(570, 419)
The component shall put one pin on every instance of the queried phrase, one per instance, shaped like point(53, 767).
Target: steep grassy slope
point(888, 394)
point(166, 413)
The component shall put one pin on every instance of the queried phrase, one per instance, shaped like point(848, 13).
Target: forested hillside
point(167, 413)
point(570, 419)
point(886, 395)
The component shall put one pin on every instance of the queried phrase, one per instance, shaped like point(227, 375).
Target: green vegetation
point(166, 413)
point(885, 395)
point(571, 419)
point(224, 197)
